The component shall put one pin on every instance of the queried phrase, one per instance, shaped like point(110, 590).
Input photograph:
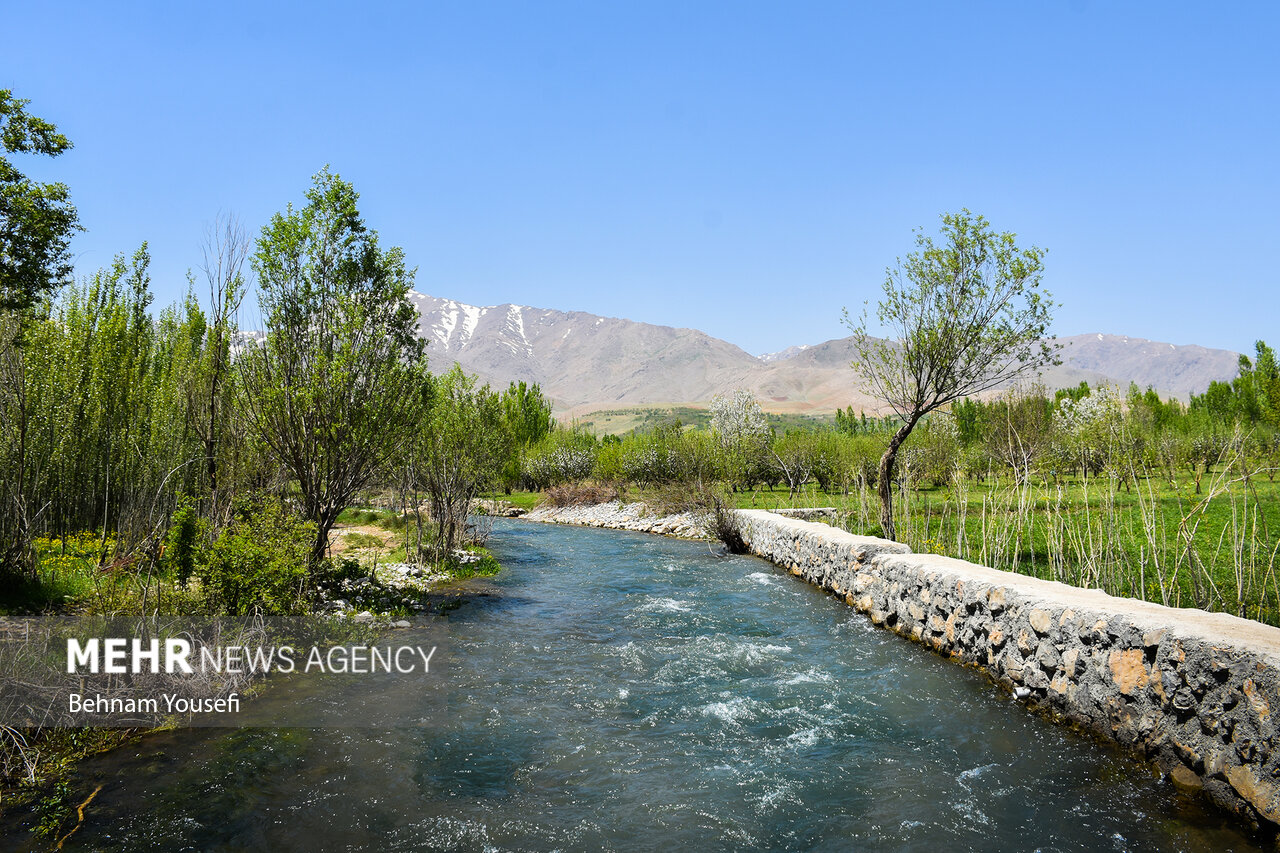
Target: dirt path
point(354, 539)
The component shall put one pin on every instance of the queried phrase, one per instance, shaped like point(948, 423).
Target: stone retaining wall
point(1193, 691)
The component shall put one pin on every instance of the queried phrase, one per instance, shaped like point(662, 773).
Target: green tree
point(969, 415)
point(1264, 377)
point(692, 456)
point(259, 561)
point(968, 313)
point(937, 449)
point(97, 366)
point(1077, 393)
point(1018, 428)
point(567, 454)
point(1252, 397)
point(36, 220)
point(458, 453)
point(1245, 391)
point(526, 414)
point(1217, 403)
point(98, 438)
point(334, 389)
point(796, 456)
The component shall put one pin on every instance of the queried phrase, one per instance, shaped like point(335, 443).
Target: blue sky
point(743, 168)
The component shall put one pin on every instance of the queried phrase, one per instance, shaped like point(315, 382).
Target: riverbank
point(1194, 692)
point(616, 515)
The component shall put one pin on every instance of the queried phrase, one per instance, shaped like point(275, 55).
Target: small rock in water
point(364, 617)
point(1021, 692)
point(403, 623)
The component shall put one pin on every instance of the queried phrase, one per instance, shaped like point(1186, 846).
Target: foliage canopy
point(36, 220)
point(967, 312)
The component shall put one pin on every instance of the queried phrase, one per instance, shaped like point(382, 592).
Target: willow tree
point(526, 414)
point(965, 314)
point(334, 389)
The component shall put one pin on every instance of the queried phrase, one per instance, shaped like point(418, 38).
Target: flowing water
point(617, 691)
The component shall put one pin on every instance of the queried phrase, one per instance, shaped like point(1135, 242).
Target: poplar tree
point(36, 224)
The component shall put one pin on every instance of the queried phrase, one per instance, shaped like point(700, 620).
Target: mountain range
point(585, 362)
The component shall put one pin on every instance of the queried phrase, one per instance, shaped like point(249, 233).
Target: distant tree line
point(1084, 431)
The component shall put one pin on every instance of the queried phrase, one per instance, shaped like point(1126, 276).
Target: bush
point(608, 468)
point(724, 526)
point(182, 545)
point(260, 560)
point(677, 498)
point(580, 494)
point(66, 570)
point(562, 457)
point(332, 571)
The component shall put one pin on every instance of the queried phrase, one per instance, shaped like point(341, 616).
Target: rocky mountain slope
point(585, 362)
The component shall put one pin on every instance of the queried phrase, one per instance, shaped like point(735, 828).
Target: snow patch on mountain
point(471, 319)
point(626, 363)
point(782, 355)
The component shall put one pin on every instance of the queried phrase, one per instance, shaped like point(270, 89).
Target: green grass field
point(1218, 550)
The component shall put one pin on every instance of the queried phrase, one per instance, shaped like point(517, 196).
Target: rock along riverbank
point(616, 515)
point(1197, 693)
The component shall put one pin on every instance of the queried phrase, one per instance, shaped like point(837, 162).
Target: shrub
point(259, 560)
point(66, 570)
point(333, 570)
point(608, 468)
point(580, 494)
point(562, 457)
point(724, 526)
point(183, 543)
point(676, 498)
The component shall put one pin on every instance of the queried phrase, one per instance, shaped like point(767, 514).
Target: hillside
point(586, 363)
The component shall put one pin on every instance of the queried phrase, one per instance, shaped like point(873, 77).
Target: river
point(620, 691)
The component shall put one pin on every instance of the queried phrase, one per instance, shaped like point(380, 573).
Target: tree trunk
point(884, 484)
point(324, 524)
